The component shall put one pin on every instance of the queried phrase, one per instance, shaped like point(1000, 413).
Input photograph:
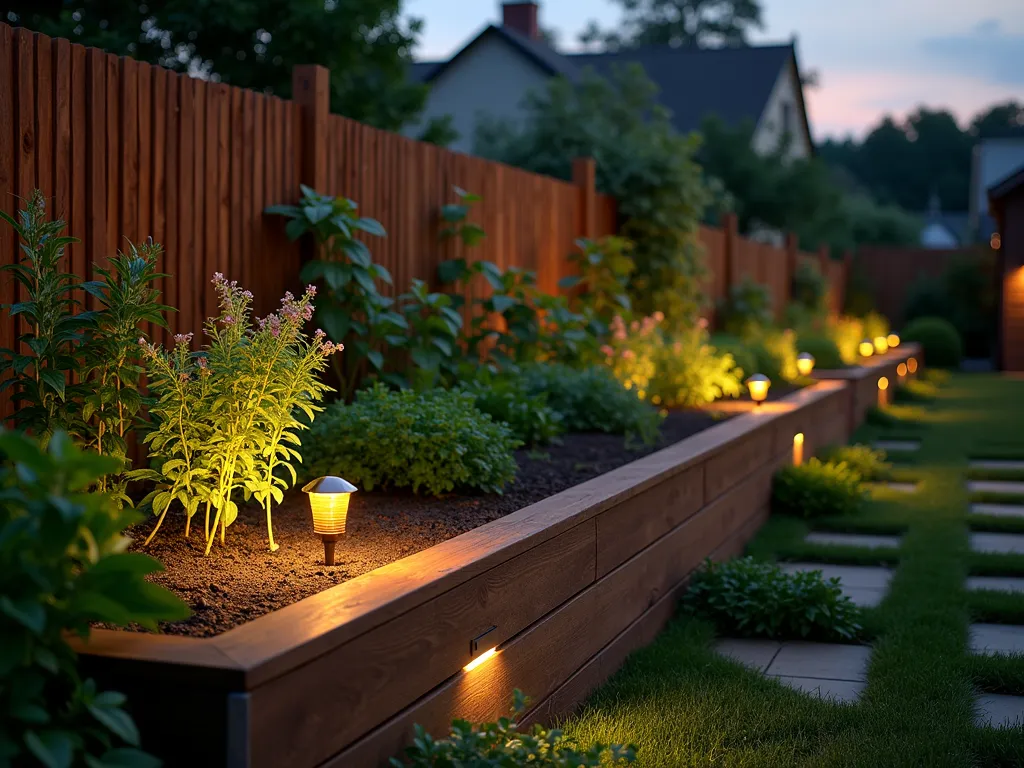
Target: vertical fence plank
point(96, 156)
point(211, 185)
point(78, 164)
point(8, 202)
point(129, 155)
point(197, 260)
point(181, 321)
point(115, 157)
point(144, 115)
point(44, 120)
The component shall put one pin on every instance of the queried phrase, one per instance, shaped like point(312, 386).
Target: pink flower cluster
point(326, 347)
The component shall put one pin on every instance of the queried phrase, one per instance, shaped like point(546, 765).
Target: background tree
point(365, 43)
point(678, 23)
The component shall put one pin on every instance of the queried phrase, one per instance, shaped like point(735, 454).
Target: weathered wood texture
point(570, 584)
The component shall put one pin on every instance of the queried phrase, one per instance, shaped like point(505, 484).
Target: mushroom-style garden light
point(867, 349)
point(883, 396)
point(758, 385)
point(912, 365)
point(805, 363)
point(893, 340)
point(881, 345)
point(328, 499)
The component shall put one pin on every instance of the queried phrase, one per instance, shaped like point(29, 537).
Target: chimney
point(521, 17)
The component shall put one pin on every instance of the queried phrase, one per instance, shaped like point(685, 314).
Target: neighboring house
point(1006, 205)
point(492, 73)
point(943, 230)
point(992, 161)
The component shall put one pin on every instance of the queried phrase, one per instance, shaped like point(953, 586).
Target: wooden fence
point(126, 150)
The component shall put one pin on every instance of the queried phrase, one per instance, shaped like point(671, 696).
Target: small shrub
point(915, 391)
point(62, 568)
point(870, 463)
point(747, 307)
point(875, 325)
point(755, 599)
point(490, 745)
point(810, 288)
point(766, 351)
point(847, 332)
point(825, 350)
point(741, 353)
point(432, 442)
point(506, 399)
point(593, 400)
point(816, 489)
point(939, 340)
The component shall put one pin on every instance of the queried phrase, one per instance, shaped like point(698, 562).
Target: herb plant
point(227, 418)
point(490, 745)
point(63, 566)
point(754, 599)
point(432, 442)
point(506, 399)
point(817, 489)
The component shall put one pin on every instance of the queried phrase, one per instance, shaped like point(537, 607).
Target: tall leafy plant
point(433, 338)
point(353, 310)
point(603, 268)
point(63, 567)
point(455, 217)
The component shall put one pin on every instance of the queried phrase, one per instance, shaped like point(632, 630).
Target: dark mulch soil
point(244, 580)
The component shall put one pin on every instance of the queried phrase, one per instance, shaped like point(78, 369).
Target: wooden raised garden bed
point(564, 589)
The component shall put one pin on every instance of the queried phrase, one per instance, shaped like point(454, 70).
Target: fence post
point(311, 89)
point(584, 176)
point(730, 227)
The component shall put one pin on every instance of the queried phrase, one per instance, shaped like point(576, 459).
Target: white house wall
point(491, 77)
point(770, 127)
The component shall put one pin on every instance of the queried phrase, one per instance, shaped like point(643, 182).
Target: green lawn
point(684, 706)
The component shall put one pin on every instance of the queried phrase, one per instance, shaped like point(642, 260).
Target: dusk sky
point(872, 57)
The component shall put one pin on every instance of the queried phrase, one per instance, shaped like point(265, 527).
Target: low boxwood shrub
point(63, 567)
point(816, 489)
point(870, 463)
point(593, 400)
point(490, 745)
point(939, 340)
point(823, 347)
point(507, 400)
point(755, 599)
point(767, 351)
point(432, 442)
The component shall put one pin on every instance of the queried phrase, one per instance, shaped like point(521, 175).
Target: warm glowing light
point(758, 385)
point(996, 242)
point(805, 363)
point(867, 349)
point(901, 371)
point(481, 659)
point(798, 449)
point(328, 500)
point(881, 344)
point(912, 364)
point(893, 340)
point(883, 383)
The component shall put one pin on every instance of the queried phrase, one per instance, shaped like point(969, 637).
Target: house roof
point(956, 223)
point(1008, 184)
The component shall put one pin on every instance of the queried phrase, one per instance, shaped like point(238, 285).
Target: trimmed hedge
point(938, 339)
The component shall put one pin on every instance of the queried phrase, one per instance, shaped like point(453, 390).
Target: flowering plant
point(227, 417)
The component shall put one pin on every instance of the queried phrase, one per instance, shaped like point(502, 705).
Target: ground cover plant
point(870, 463)
point(681, 704)
point(816, 489)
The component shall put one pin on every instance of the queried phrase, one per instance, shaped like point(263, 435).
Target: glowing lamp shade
point(867, 348)
point(883, 385)
point(893, 340)
point(805, 363)
point(901, 371)
point(758, 385)
point(798, 449)
point(912, 365)
point(328, 499)
point(881, 344)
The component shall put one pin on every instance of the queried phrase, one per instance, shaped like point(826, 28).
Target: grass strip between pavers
point(682, 705)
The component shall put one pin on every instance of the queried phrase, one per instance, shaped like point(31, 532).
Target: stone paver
point(998, 543)
point(865, 585)
point(996, 464)
point(827, 670)
point(990, 639)
point(852, 539)
point(995, 486)
point(996, 583)
point(898, 445)
point(998, 510)
point(998, 711)
point(757, 654)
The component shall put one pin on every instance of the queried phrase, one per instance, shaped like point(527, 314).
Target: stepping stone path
point(995, 710)
point(996, 583)
point(998, 711)
point(831, 671)
point(995, 486)
point(898, 445)
point(998, 510)
point(996, 464)
point(865, 585)
point(992, 639)
point(998, 543)
point(853, 540)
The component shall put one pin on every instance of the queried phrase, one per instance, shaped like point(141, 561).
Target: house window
point(787, 118)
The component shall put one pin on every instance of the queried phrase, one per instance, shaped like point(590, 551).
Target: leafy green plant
point(824, 349)
point(593, 400)
point(755, 599)
point(433, 338)
point(810, 288)
point(433, 442)
point(875, 325)
point(353, 310)
point(63, 567)
point(603, 268)
point(847, 332)
point(939, 340)
point(763, 350)
point(747, 308)
point(870, 463)
point(490, 745)
point(455, 216)
point(816, 489)
point(505, 399)
point(226, 418)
